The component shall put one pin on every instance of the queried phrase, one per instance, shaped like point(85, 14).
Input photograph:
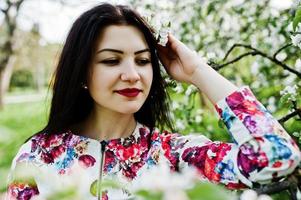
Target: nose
point(130, 72)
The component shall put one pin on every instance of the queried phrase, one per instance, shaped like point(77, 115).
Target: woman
point(109, 97)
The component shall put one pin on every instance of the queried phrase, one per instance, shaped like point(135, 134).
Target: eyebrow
point(118, 51)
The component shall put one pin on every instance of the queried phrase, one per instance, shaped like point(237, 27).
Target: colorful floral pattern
point(261, 150)
point(22, 191)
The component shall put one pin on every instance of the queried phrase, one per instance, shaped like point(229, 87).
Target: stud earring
point(84, 86)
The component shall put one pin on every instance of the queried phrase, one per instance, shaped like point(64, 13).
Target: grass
point(17, 123)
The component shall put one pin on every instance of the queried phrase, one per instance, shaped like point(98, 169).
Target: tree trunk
point(5, 76)
point(8, 72)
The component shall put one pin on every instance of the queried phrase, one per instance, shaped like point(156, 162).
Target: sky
point(55, 20)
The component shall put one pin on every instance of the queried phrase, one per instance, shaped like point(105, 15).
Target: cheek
point(148, 75)
point(102, 80)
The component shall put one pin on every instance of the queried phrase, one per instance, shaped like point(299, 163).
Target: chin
point(129, 110)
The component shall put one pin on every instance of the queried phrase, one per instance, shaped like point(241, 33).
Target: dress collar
point(135, 134)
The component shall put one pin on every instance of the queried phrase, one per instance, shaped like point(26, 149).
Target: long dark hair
point(70, 102)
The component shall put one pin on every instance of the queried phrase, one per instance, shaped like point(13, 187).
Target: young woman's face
point(122, 61)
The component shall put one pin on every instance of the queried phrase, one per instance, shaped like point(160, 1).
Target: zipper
point(102, 162)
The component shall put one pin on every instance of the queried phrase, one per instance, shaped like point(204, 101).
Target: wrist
point(201, 68)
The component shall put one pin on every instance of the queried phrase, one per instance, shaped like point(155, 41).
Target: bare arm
point(185, 65)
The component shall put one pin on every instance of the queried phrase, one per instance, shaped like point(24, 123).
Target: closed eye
point(143, 61)
point(110, 62)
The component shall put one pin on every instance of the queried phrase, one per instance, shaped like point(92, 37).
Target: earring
point(84, 86)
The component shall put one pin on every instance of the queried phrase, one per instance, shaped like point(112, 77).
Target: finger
point(163, 56)
point(175, 44)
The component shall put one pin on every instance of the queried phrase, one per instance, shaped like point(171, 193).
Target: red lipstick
point(129, 92)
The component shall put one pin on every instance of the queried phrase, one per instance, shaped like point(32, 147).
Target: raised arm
point(185, 65)
point(262, 149)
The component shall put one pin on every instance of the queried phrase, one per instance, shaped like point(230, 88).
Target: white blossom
point(180, 125)
point(186, 100)
point(161, 25)
point(199, 111)
point(281, 56)
point(296, 3)
point(59, 183)
point(271, 104)
point(290, 27)
point(211, 55)
point(255, 68)
point(296, 40)
point(209, 128)
point(252, 195)
point(264, 197)
point(290, 79)
point(298, 64)
point(175, 105)
point(159, 178)
point(290, 90)
point(248, 195)
point(175, 195)
point(189, 90)
point(298, 194)
point(179, 88)
point(255, 84)
point(198, 118)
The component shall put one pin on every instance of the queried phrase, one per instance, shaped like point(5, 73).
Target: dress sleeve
point(261, 150)
point(21, 184)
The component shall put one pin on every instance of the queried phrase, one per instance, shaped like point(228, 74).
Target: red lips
point(129, 92)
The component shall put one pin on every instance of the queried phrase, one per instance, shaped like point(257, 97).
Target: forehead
point(123, 37)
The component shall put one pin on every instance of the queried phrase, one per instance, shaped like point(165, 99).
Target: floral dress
point(261, 152)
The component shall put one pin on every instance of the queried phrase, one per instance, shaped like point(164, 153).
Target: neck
point(104, 124)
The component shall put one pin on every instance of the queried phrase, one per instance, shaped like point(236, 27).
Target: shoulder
point(46, 146)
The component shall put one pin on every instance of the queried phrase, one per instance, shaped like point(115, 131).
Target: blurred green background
point(31, 40)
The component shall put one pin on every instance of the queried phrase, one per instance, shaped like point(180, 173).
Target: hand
point(179, 61)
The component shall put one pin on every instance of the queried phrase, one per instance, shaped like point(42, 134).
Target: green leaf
point(65, 194)
point(221, 123)
point(296, 134)
point(104, 185)
point(284, 99)
point(209, 191)
point(297, 18)
point(93, 188)
point(149, 195)
point(211, 7)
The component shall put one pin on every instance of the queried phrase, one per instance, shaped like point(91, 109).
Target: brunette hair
point(70, 102)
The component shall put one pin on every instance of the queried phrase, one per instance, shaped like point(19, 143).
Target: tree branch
point(274, 187)
point(279, 50)
point(237, 45)
point(287, 117)
point(290, 184)
point(295, 107)
point(256, 52)
point(218, 67)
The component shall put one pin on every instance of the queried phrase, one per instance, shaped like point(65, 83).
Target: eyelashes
point(110, 62)
point(143, 61)
point(113, 62)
